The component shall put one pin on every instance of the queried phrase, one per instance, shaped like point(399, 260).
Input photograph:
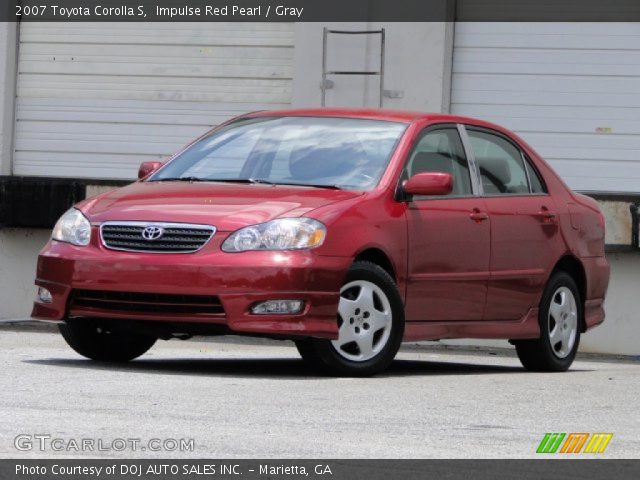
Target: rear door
point(524, 228)
point(449, 236)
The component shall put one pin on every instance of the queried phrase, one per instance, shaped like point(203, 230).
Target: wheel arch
point(573, 266)
point(380, 258)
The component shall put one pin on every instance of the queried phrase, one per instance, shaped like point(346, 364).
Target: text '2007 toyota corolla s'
point(347, 231)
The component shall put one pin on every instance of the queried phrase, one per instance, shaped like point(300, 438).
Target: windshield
point(318, 151)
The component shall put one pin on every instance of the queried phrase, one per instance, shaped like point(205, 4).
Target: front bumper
point(238, 279)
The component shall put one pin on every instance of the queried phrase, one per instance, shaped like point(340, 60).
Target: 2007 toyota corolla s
point(347, 231)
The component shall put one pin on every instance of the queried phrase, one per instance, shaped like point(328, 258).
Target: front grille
point(173, 237)
point(133, 302)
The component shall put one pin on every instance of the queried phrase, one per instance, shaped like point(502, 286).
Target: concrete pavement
point(237, 400)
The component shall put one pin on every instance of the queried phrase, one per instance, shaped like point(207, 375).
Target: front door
point(449, 236)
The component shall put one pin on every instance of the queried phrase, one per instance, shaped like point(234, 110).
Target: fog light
point(44, 295)
point(277, 307)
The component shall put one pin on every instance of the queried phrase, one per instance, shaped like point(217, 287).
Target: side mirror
point(147, 168)
point(430, 183)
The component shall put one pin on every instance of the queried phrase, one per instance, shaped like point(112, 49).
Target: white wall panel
point(571, 90)
point(7, 94)
point(96, 99)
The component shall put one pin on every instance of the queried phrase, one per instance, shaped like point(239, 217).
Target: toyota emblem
point(152, 232)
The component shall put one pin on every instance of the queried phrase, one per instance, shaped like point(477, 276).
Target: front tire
point(370, 325)
point(99, 343)
point(560, 314)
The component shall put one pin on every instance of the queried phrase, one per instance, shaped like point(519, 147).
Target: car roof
point(402, 116)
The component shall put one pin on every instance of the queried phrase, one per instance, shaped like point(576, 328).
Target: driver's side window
point(441, 151)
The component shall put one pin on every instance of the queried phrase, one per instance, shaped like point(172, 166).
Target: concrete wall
point(18, 255)
point(17, 248)
point(620, 332)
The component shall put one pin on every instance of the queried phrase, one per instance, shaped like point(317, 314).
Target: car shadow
point(273, 368)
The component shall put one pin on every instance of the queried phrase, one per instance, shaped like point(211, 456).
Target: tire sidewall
point(559, 279)
point(327, 352)
point(113, 347)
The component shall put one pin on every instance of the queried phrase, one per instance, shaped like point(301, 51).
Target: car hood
point(226, 206)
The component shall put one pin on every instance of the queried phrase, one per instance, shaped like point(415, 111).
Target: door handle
point(547, 215)
point(478, 216)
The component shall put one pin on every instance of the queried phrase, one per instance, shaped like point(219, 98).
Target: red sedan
point(347, 231)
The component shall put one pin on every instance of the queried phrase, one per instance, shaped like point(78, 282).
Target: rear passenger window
point(502, 169)
point(534, 179)
point(441, 151)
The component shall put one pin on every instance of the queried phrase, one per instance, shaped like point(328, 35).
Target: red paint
point(449, 256)
point(429, 184)
point(466, 267)
point(147, 168)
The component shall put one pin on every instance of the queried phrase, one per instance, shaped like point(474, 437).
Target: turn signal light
point(44, 295)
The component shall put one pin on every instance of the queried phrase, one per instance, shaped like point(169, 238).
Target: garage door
point(571, 90)
point(96, 99)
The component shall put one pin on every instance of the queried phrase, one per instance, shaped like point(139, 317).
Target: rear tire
point(560, 316)
point(91, 340)
point(370, 322)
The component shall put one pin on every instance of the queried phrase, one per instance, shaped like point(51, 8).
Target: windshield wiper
point(245, 180)
point(269, 182)
point(199, 179)
point(294, 184)
point(181, 179)
point(312, 185)
point(238, 180)
point(261, 181)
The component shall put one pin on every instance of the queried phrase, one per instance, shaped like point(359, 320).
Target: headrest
point(495, 168)
point(431, 162)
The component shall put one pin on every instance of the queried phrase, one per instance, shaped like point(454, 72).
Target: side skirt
point(524, 328)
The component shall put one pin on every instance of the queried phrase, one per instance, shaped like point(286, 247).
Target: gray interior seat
point(495, 174)
point(431, 162)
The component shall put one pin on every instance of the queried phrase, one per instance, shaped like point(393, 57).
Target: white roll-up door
point(571, 90)
point(96, 99)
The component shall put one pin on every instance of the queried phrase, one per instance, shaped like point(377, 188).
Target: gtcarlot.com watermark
point(50, 443)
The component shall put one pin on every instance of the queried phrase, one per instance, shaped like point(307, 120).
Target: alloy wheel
point(364, 321)
point(563, 322)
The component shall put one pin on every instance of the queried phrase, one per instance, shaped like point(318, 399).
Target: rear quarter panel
point(587, 223)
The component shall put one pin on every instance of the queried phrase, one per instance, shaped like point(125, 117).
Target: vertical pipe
point(382, 45)
point(635, 224)
point(323, 86)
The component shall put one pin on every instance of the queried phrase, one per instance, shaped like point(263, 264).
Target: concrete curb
point(28, 326)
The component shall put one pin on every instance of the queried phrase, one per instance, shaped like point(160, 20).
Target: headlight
point(280, 234)
point(73, 227)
